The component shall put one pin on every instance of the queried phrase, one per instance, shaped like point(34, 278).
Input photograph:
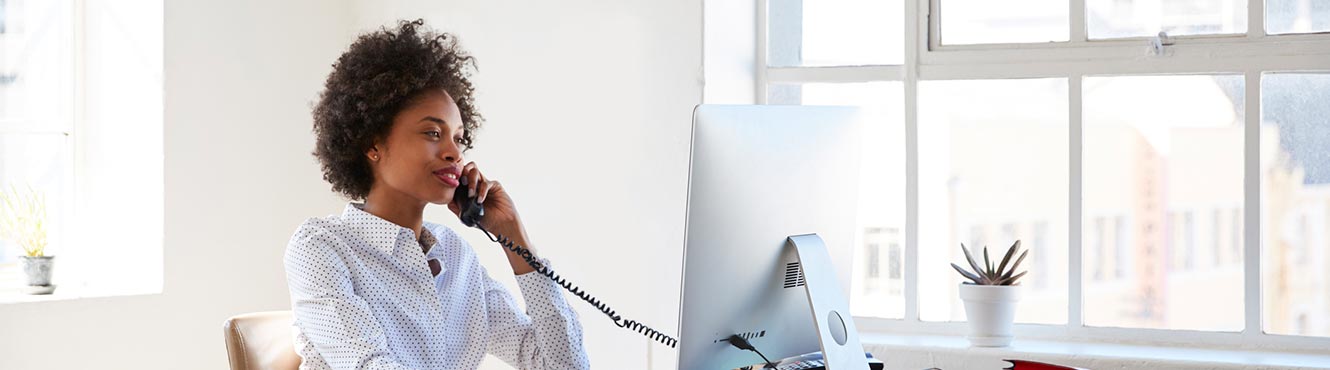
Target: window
point(1098, 244)
point(1188, 242)
point(1118, 18)
point(1003, 160)
point(835, 32)
point(1133, 145)
point(1156, 151)
point(1295, 207)
point(894, 261)
point(1119, 247)
point(986, 22)
point(36, 124)
point(81, 122)
point(1217, 240)
point(1039, 240)
point(1296, 16)
point(1235, 236)
point(872, 260)
point(882, 215)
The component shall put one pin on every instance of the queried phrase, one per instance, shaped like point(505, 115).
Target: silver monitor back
point(759, 174)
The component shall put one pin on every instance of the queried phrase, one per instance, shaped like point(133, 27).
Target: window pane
point(36, 65)
point(988, 21)
point(835, 32)
point(1297, 16)
point(1161, 177)
point(877, 287)
point(1295, 203)
point(1136, 18)
point(42, 161)
point(993, 169)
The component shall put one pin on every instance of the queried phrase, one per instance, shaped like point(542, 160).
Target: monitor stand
point(837, 335)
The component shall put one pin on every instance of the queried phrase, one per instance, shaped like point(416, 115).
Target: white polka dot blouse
point(364, 296)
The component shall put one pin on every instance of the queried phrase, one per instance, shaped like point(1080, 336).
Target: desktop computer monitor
point(757, 176)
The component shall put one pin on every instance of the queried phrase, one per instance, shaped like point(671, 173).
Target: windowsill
point(15, 295)
point(948, 352)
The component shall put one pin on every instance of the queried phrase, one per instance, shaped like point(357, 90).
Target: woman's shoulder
point(328, 225)
point(317, 233)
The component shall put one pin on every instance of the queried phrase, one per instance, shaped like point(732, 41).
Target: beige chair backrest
point(261, 341)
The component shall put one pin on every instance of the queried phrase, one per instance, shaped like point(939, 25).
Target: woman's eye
point(434, 134)
point(457, 140)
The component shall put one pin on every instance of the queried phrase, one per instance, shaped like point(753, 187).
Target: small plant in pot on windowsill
point(990, 296)
point(23, 222)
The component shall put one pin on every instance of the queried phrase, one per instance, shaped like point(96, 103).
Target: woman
point(377, 287)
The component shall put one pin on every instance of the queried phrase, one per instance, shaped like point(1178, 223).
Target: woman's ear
point(373, 153)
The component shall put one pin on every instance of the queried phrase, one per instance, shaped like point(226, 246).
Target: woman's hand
point(500, 213)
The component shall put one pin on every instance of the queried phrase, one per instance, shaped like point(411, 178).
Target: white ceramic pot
point(990, 310)
point(38, 270)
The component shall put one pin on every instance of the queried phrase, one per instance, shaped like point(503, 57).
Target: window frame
point(926, 59)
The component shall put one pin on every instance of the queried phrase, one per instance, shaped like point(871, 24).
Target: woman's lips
point(447, 178)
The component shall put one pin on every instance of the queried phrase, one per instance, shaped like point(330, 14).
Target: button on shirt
point(364, 297)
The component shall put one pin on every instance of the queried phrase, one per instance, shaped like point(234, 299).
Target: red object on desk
point(1032, 365)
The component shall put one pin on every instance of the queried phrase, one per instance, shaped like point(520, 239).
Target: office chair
point(261, 341)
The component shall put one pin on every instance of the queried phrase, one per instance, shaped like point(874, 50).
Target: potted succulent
point(990, 296)
point(23, 222)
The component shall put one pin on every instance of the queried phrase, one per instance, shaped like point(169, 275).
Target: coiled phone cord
point(604, 308)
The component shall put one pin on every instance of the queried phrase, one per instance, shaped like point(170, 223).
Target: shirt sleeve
point(547, 336)
point(327, 311)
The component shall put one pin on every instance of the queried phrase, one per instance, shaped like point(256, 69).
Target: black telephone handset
point(471, 210)
point(471, 213)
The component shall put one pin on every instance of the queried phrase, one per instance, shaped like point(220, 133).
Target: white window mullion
point(911, 199)
point(43, 128)
point(932, 38)
point(1079, 32)
point(1252, 205)
point(760, 85)
point(845, 74)
point(1255, 19)
point(79, 187)
point(1074, 265)
point(1252, 292)
point(1200, 55)
point(80, 104)
point(916, 41)
point(967, 67)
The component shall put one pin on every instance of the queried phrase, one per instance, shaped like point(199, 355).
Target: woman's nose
point(452, 152)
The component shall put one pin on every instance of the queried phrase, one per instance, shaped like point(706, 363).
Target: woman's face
point(421, 157)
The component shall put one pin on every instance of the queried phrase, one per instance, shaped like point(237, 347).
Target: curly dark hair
point(378, 76)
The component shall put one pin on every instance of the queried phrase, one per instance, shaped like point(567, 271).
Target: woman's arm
point(547, 336)
point(327, 310)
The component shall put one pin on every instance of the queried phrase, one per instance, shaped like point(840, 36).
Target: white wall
point(239, 79)
point(589, 107)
